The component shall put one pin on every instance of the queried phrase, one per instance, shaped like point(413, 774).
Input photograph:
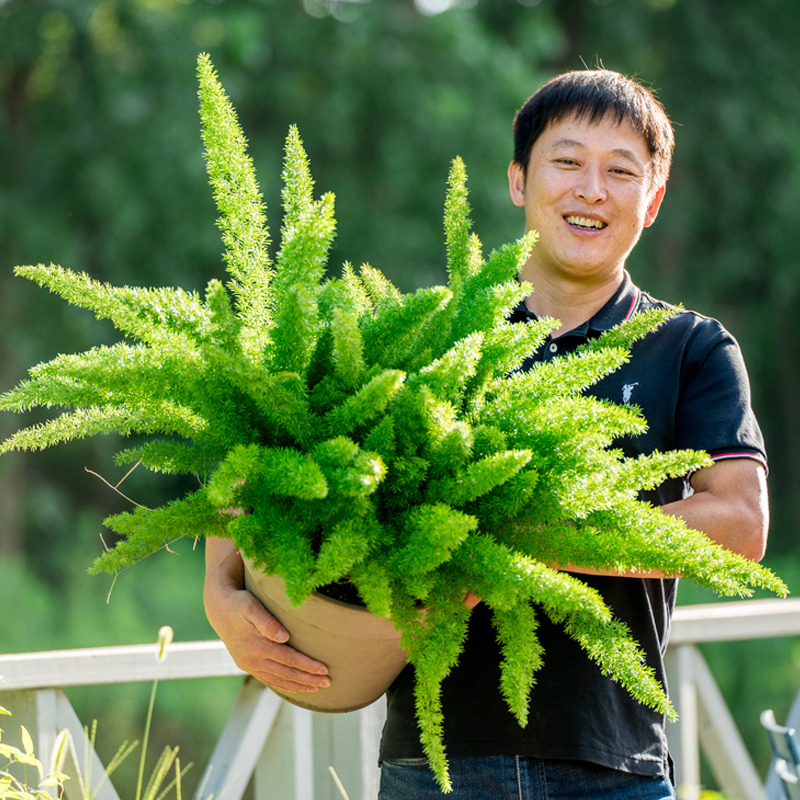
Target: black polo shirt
point(689, 379)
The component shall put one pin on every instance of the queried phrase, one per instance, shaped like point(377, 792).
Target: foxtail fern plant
point(384, 437)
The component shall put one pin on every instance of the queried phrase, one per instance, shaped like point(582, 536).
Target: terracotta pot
point(362, 651)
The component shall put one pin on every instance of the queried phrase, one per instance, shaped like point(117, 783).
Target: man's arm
point(729, 505)
point(255, 639)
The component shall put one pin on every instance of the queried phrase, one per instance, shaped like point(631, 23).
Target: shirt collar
point(618, 309)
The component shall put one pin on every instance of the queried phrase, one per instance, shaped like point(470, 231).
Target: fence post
point(720, 739)
point(302, 745)
point(683, 735)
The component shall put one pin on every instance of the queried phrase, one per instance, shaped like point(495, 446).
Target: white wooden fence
point(287, 751)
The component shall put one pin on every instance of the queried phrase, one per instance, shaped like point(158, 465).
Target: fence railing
point(287, 751)
point(704, 719)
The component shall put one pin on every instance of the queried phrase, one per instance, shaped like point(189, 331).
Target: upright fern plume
point(242, 216)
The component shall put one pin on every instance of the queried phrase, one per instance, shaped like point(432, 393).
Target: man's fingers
point(274, 636)
point(281, 667)
point(282, 676)
point(267, 625)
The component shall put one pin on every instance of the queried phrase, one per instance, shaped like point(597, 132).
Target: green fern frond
point(648, 472)
point(308, 225)
point(242, 217)
point(130, 310)
point(381, 439)
point(304, 247)
point(391, 338)
point(349, 470)
point(121, 375)
point(475, 255)
point(148, 530)
point(632, 329)
point(433, 532)
point(507, 346)
point(296, 330)
point(274, 533)
point(447, 376)
point(522, 656)
point(375, 588)
point(169, 309)
point(505, 263)
point(611, 647)
point(172, 457)
point(569, 419)
point(570, 374)
point(482, 476)
point(348, 348)
point(355, 292)
point(655, 540)
point(367, 403)
point(379, 289)
point(226, 326)
point(347, 544)
point(298, 185)
point(85, 422)
point(483, 301)
point(457, 225)
point(486, 307)
point(451, 451)
point(280, 399)
point(308, 229)
point(278, 471)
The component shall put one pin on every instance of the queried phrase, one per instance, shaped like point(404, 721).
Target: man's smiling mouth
point(587, 224)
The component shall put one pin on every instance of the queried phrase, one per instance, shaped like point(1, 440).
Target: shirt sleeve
point(714, 411)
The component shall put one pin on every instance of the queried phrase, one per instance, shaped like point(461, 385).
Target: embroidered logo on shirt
point(627, 391)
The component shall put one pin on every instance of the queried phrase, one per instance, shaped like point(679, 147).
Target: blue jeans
point(518, 778)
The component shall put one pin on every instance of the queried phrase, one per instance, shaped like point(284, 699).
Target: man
point(591, 160)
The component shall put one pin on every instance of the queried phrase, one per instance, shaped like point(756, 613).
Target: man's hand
point(255, 639)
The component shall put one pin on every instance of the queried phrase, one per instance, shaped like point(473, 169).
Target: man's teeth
point(583, 222)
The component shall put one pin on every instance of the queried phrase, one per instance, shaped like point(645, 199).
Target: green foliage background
point(101, 170)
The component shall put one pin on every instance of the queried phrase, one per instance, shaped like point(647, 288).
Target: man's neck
point(569, 301)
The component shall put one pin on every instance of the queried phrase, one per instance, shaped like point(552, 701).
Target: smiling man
point(592, 151)
point(591, 160)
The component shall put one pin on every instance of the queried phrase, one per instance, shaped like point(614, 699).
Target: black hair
point(591, 95)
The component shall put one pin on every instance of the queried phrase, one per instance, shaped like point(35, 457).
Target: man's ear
point(652, 209)
point(516, 183)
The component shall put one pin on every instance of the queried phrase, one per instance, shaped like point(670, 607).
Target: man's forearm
point(223, 563)
point(729, 505)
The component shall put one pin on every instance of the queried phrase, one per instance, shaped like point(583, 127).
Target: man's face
point(587, 192)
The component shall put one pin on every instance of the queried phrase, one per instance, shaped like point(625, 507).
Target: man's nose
point(591, 186)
